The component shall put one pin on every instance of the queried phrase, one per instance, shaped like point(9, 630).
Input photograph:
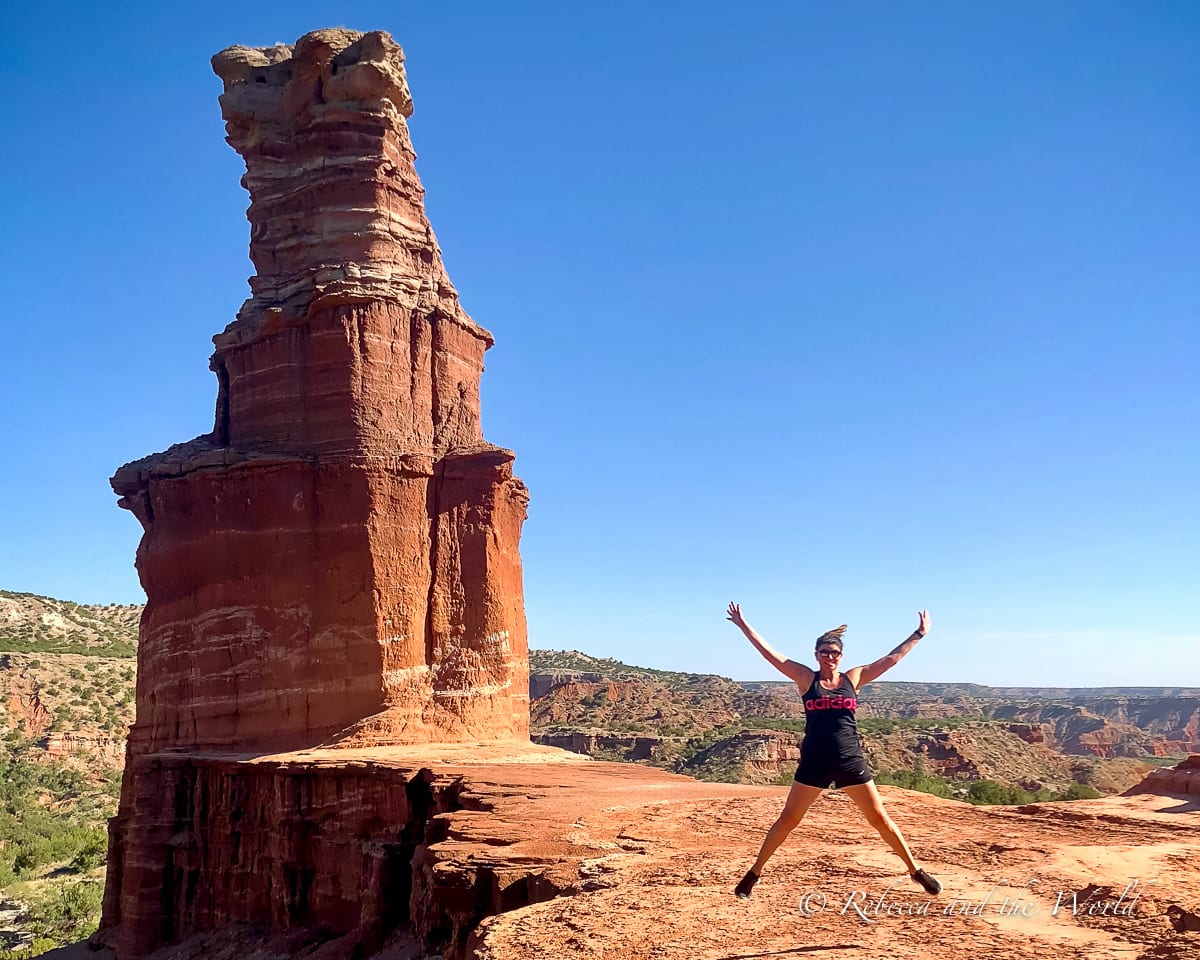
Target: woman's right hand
point(789, 668)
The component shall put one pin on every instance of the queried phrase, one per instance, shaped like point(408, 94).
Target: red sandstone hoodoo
point(338, 558)
point(336, 564)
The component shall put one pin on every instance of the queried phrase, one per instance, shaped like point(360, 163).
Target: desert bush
point(91, 853)
point(790, 724)
point(1080, 791)
point(991, 792)
point(112, 784)
point(39, 946)
point(50, 814)
point(67, 913)
point(917, 780)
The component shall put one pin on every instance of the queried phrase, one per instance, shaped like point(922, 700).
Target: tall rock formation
point(337, 561)
point(336, 564)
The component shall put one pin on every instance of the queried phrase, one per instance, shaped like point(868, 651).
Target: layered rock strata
point(1182, 780)
point(339, 556)
point(336, 563)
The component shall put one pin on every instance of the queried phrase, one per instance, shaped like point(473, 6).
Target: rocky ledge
point(1182, 780)
point(505, 851)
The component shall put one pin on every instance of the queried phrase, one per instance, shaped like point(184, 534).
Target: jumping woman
point(831, 752)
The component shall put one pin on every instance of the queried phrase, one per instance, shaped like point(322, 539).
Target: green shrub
point(39, 946)
point(916, 780)
point(69, 912)
point(1080, 791)
point(991, 792)
point(91, 853)
point(51, 814)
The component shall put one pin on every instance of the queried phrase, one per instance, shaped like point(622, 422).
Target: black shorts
point(820, 772)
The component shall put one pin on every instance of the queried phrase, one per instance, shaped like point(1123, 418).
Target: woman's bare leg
point(867, 798)
point(799, 799)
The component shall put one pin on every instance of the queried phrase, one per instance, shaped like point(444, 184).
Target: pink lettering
point(832, 703)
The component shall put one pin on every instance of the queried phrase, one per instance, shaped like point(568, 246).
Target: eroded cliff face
point(336, 564)
point(1182, 780)
point(319, 842)
point(338, 558)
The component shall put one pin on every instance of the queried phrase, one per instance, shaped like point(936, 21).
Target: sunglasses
point(829, 652)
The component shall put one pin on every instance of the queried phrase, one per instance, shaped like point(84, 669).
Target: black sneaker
point(746, 885)
point(928, 881)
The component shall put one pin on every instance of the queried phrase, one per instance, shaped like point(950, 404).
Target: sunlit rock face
point(338, 560)
point(1182, 780)
point(336, 565)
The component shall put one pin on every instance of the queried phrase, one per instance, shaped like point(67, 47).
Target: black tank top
point(829, 719)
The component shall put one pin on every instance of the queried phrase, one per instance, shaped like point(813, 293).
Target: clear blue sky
point(838, 310)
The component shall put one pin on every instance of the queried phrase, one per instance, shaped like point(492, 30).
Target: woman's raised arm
point(789, 668)
point(859, 676)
